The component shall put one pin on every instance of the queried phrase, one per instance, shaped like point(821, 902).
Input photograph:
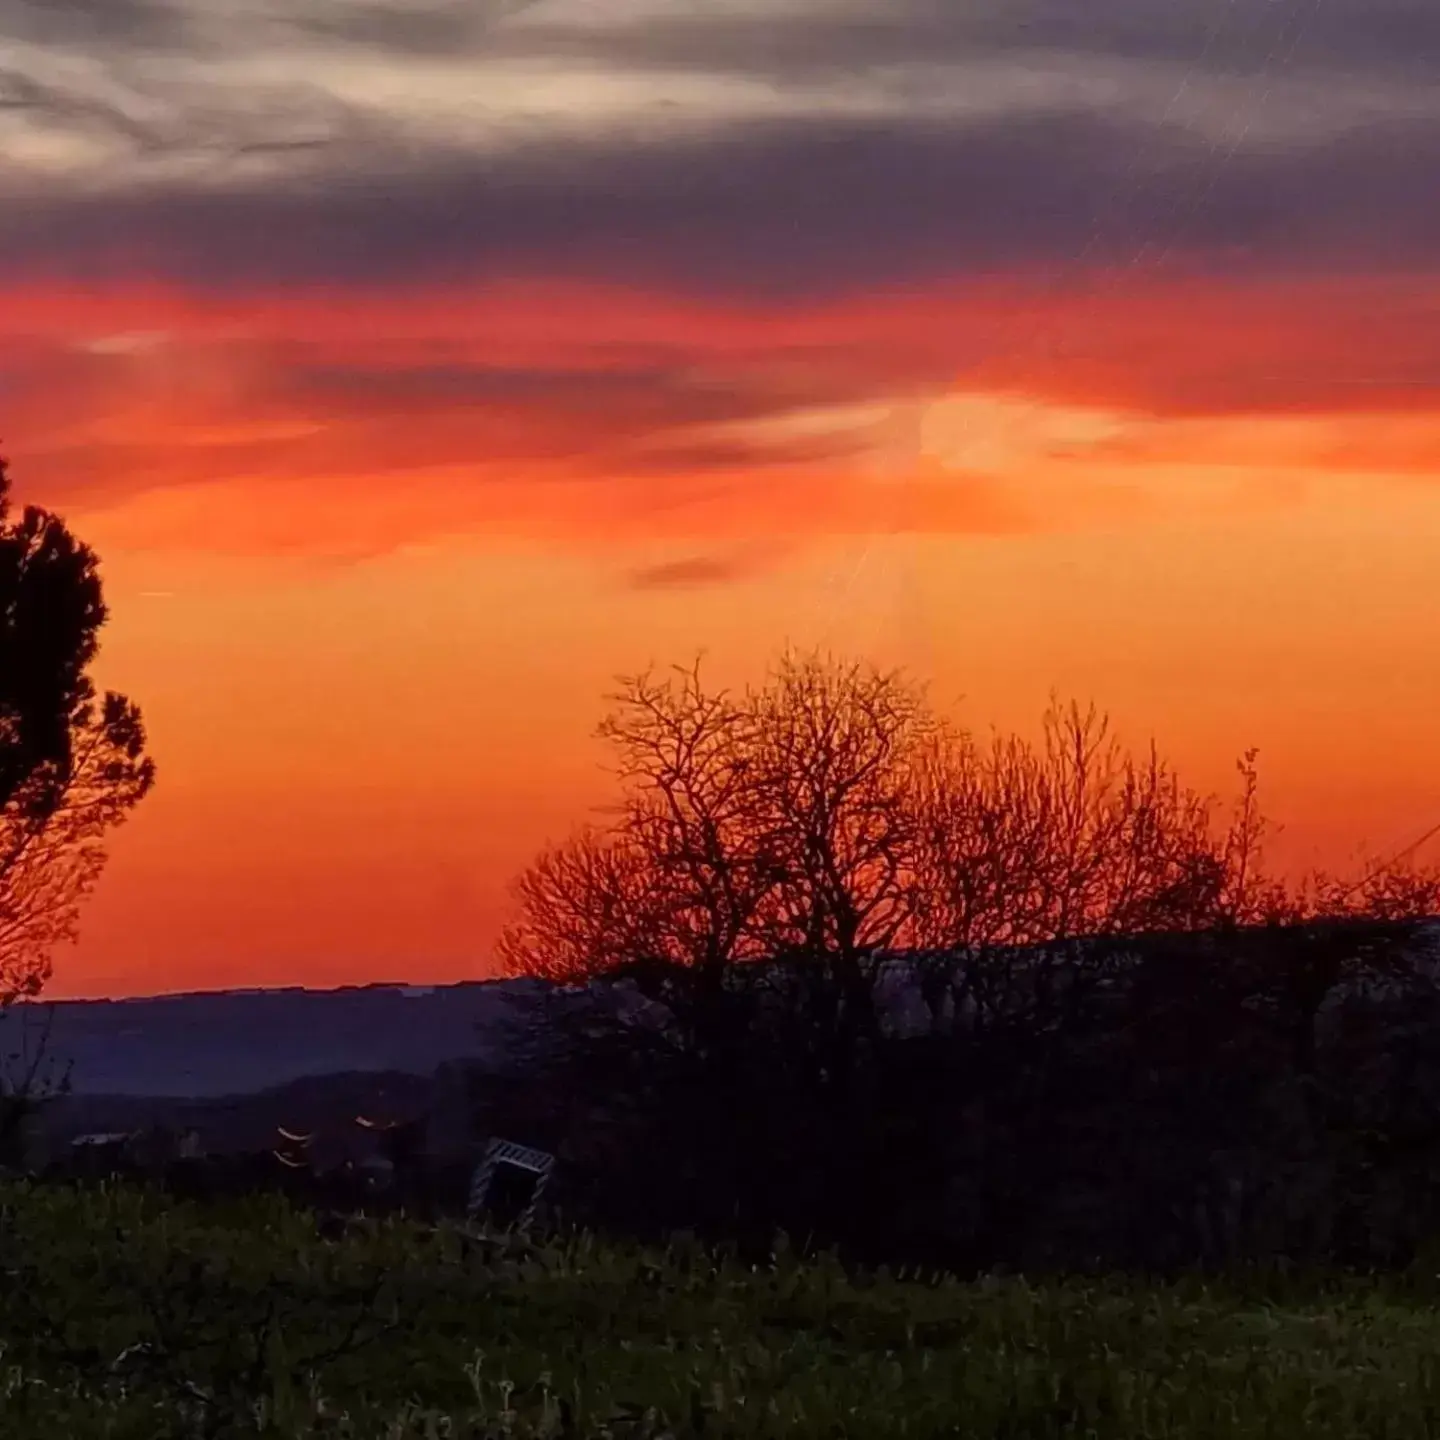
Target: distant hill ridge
point(204, 1044)
point(217, 1043)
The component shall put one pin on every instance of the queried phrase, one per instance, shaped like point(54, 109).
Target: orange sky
point(415, 375)
point(370, 680)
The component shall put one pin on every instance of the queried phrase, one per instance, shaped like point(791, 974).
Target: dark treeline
point(1136, 1046)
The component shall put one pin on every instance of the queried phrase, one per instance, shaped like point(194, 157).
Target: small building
point(100, 1140)
point(153, 1147)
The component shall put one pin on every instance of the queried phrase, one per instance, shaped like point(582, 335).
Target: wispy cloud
point(694, 571)
point(547, 411)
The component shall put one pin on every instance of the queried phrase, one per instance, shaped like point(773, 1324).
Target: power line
point(1394, 860)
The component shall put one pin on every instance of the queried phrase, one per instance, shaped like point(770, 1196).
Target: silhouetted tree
point(827, 817)
point(832, 762)
point(72, 761)
point(1027, 851)
point(768, 824)
point(1129, 1053)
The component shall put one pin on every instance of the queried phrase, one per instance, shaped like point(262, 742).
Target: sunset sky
point(417, 365)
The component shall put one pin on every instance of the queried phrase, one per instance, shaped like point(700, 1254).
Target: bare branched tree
point(1029, 850)
point(1081, 921)
point(667, 894)
point(587, 909)
point(686, 765)
point(835, 750)
point(826, 818)
point(767, 824)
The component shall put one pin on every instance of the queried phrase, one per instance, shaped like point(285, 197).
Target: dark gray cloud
point(639, 400)
point(430, 27)
point(691, 572)
point(1211, 35)
point(162, 27)
point(807, 205)
point(1403, 35)
point(775, 211)
point(24, 93)
point(742, 455)
point(312, 415)
point(89, 24)
point(662, 420)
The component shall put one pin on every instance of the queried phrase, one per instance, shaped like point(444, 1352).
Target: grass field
point(125, 1315)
